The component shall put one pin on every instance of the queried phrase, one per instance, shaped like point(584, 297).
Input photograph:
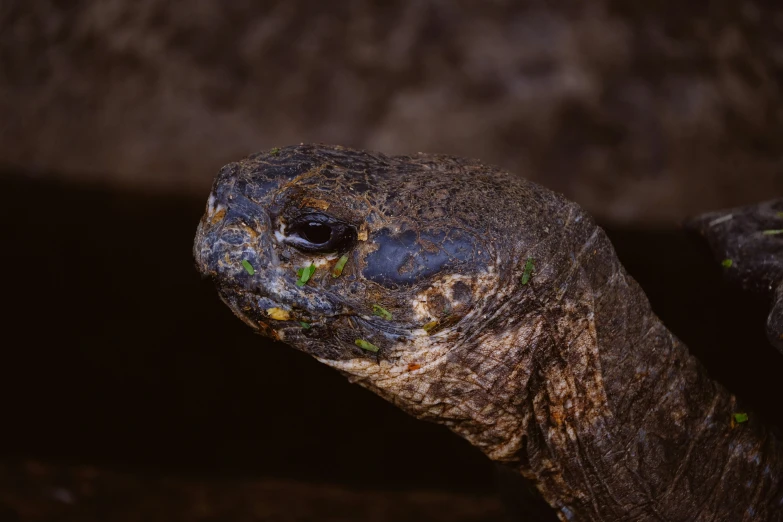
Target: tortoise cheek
point(405, 258)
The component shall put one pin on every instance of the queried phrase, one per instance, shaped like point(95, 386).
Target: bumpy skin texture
point(568, 378)
point(751, 237)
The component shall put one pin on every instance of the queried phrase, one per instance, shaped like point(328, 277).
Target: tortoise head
point(402, 272)
point(323, 247)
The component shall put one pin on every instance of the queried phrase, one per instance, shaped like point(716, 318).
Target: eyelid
point(297, 240)
point(317, 217)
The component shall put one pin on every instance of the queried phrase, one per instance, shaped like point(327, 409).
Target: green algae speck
point(528, 271)
point(338, 268)
point(739, 418)
point(726, 263)
point(381, 312)
point(304, 274)
point(364, 345)
point(248, 267)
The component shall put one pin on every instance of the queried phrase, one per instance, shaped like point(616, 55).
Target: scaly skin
point(569, 377)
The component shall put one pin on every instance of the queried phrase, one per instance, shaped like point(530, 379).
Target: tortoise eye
point(320, 233)
point(316, 233)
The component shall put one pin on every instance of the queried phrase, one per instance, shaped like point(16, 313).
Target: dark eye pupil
point(320, 233)
point(316, 233)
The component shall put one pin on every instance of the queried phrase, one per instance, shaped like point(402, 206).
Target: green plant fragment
point(338, 268)
point(773, 232)
point(528, 271)
point(304, 274)
point(381, 312)
point(248, 267)
point(304, 325)
point(726, 263)
point(275, 151)
point(364, 345)
point(739, 418)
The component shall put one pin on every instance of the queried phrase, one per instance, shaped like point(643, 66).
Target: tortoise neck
point(621, 420)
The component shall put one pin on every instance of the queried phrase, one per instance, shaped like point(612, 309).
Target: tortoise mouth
point(260, 305)
point(314, 314)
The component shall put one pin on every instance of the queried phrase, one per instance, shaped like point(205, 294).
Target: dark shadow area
point(116, 353)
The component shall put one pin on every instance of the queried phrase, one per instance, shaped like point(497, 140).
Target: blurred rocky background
point(129, 392)
point(644, 113)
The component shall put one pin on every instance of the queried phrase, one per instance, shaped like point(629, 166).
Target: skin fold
point(508, 318)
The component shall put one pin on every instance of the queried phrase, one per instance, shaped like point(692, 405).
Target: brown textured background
point(644, 113)
point(128, 392)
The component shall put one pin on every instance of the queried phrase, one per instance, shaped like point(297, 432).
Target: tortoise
point(478, 300)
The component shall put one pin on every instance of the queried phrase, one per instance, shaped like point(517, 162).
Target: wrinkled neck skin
point(573, 381)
